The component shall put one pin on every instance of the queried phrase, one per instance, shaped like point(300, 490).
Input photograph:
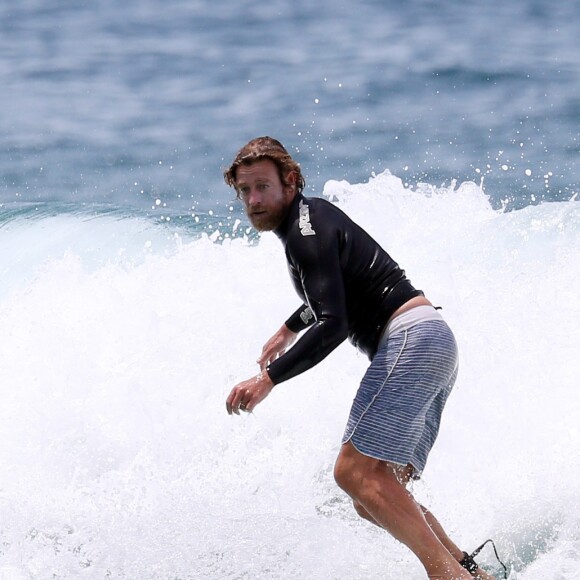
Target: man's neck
point(280, 231)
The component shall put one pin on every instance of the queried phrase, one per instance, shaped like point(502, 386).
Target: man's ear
point(291, 180)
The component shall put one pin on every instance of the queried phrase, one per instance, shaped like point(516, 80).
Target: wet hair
point(265, 148)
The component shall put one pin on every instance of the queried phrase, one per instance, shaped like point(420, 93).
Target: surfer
point(351, 287)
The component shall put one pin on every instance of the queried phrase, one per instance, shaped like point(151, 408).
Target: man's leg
point(404, 477)
point(452, 548)
point(456, 552)
point(378, 488)
point(433, 524)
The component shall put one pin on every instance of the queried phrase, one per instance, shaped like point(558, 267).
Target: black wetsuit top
point(350, 286)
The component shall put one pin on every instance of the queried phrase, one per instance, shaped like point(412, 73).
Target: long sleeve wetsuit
point(349, 285)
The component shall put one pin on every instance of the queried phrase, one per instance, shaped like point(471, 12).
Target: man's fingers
point(230, 408)
point(232, 402)
point(235, 402)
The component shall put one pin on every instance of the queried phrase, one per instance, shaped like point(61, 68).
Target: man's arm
point(301, 319)
point(316, 259)
point(247, 394)
point(317, 262)
point(276, 346)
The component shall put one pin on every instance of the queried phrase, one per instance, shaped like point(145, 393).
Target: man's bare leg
point(377, 487)
point(434, 524)
point(456, 552)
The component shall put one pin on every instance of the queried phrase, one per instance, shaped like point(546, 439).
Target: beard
point(266, 220)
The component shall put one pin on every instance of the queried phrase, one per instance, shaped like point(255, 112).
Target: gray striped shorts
point(397, 410)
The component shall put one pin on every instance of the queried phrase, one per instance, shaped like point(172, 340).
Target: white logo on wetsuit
point(306, 315)
point(304, 220)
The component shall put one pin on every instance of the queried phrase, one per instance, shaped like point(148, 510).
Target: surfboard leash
point(470, 564)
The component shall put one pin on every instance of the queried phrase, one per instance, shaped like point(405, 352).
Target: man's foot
point(471, 566)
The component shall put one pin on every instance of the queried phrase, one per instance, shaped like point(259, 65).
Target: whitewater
point(121, 337)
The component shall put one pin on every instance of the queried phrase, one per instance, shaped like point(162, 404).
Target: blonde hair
point(265, 148)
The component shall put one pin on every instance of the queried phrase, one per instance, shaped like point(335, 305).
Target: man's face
point(265, 197)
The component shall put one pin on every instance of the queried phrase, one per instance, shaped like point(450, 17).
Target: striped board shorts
point(396, 413)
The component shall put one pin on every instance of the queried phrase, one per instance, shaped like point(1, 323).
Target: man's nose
point(254, 197)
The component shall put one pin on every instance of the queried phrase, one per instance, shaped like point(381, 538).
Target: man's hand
point(276, 346)
point(247, 394)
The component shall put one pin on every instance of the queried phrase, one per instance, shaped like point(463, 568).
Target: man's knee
point(343, 473)
point(352, 469)
point(347, 469)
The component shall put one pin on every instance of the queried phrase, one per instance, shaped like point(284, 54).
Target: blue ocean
point(134, 294)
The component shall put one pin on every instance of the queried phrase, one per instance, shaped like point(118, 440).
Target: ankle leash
point(470, 564)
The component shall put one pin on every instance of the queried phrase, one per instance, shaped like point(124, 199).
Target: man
point(350, 287)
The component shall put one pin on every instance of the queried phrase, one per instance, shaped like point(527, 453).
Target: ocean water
point(144, 100)
point(133, 294)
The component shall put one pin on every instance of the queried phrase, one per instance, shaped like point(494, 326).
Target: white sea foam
point(118, 459)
